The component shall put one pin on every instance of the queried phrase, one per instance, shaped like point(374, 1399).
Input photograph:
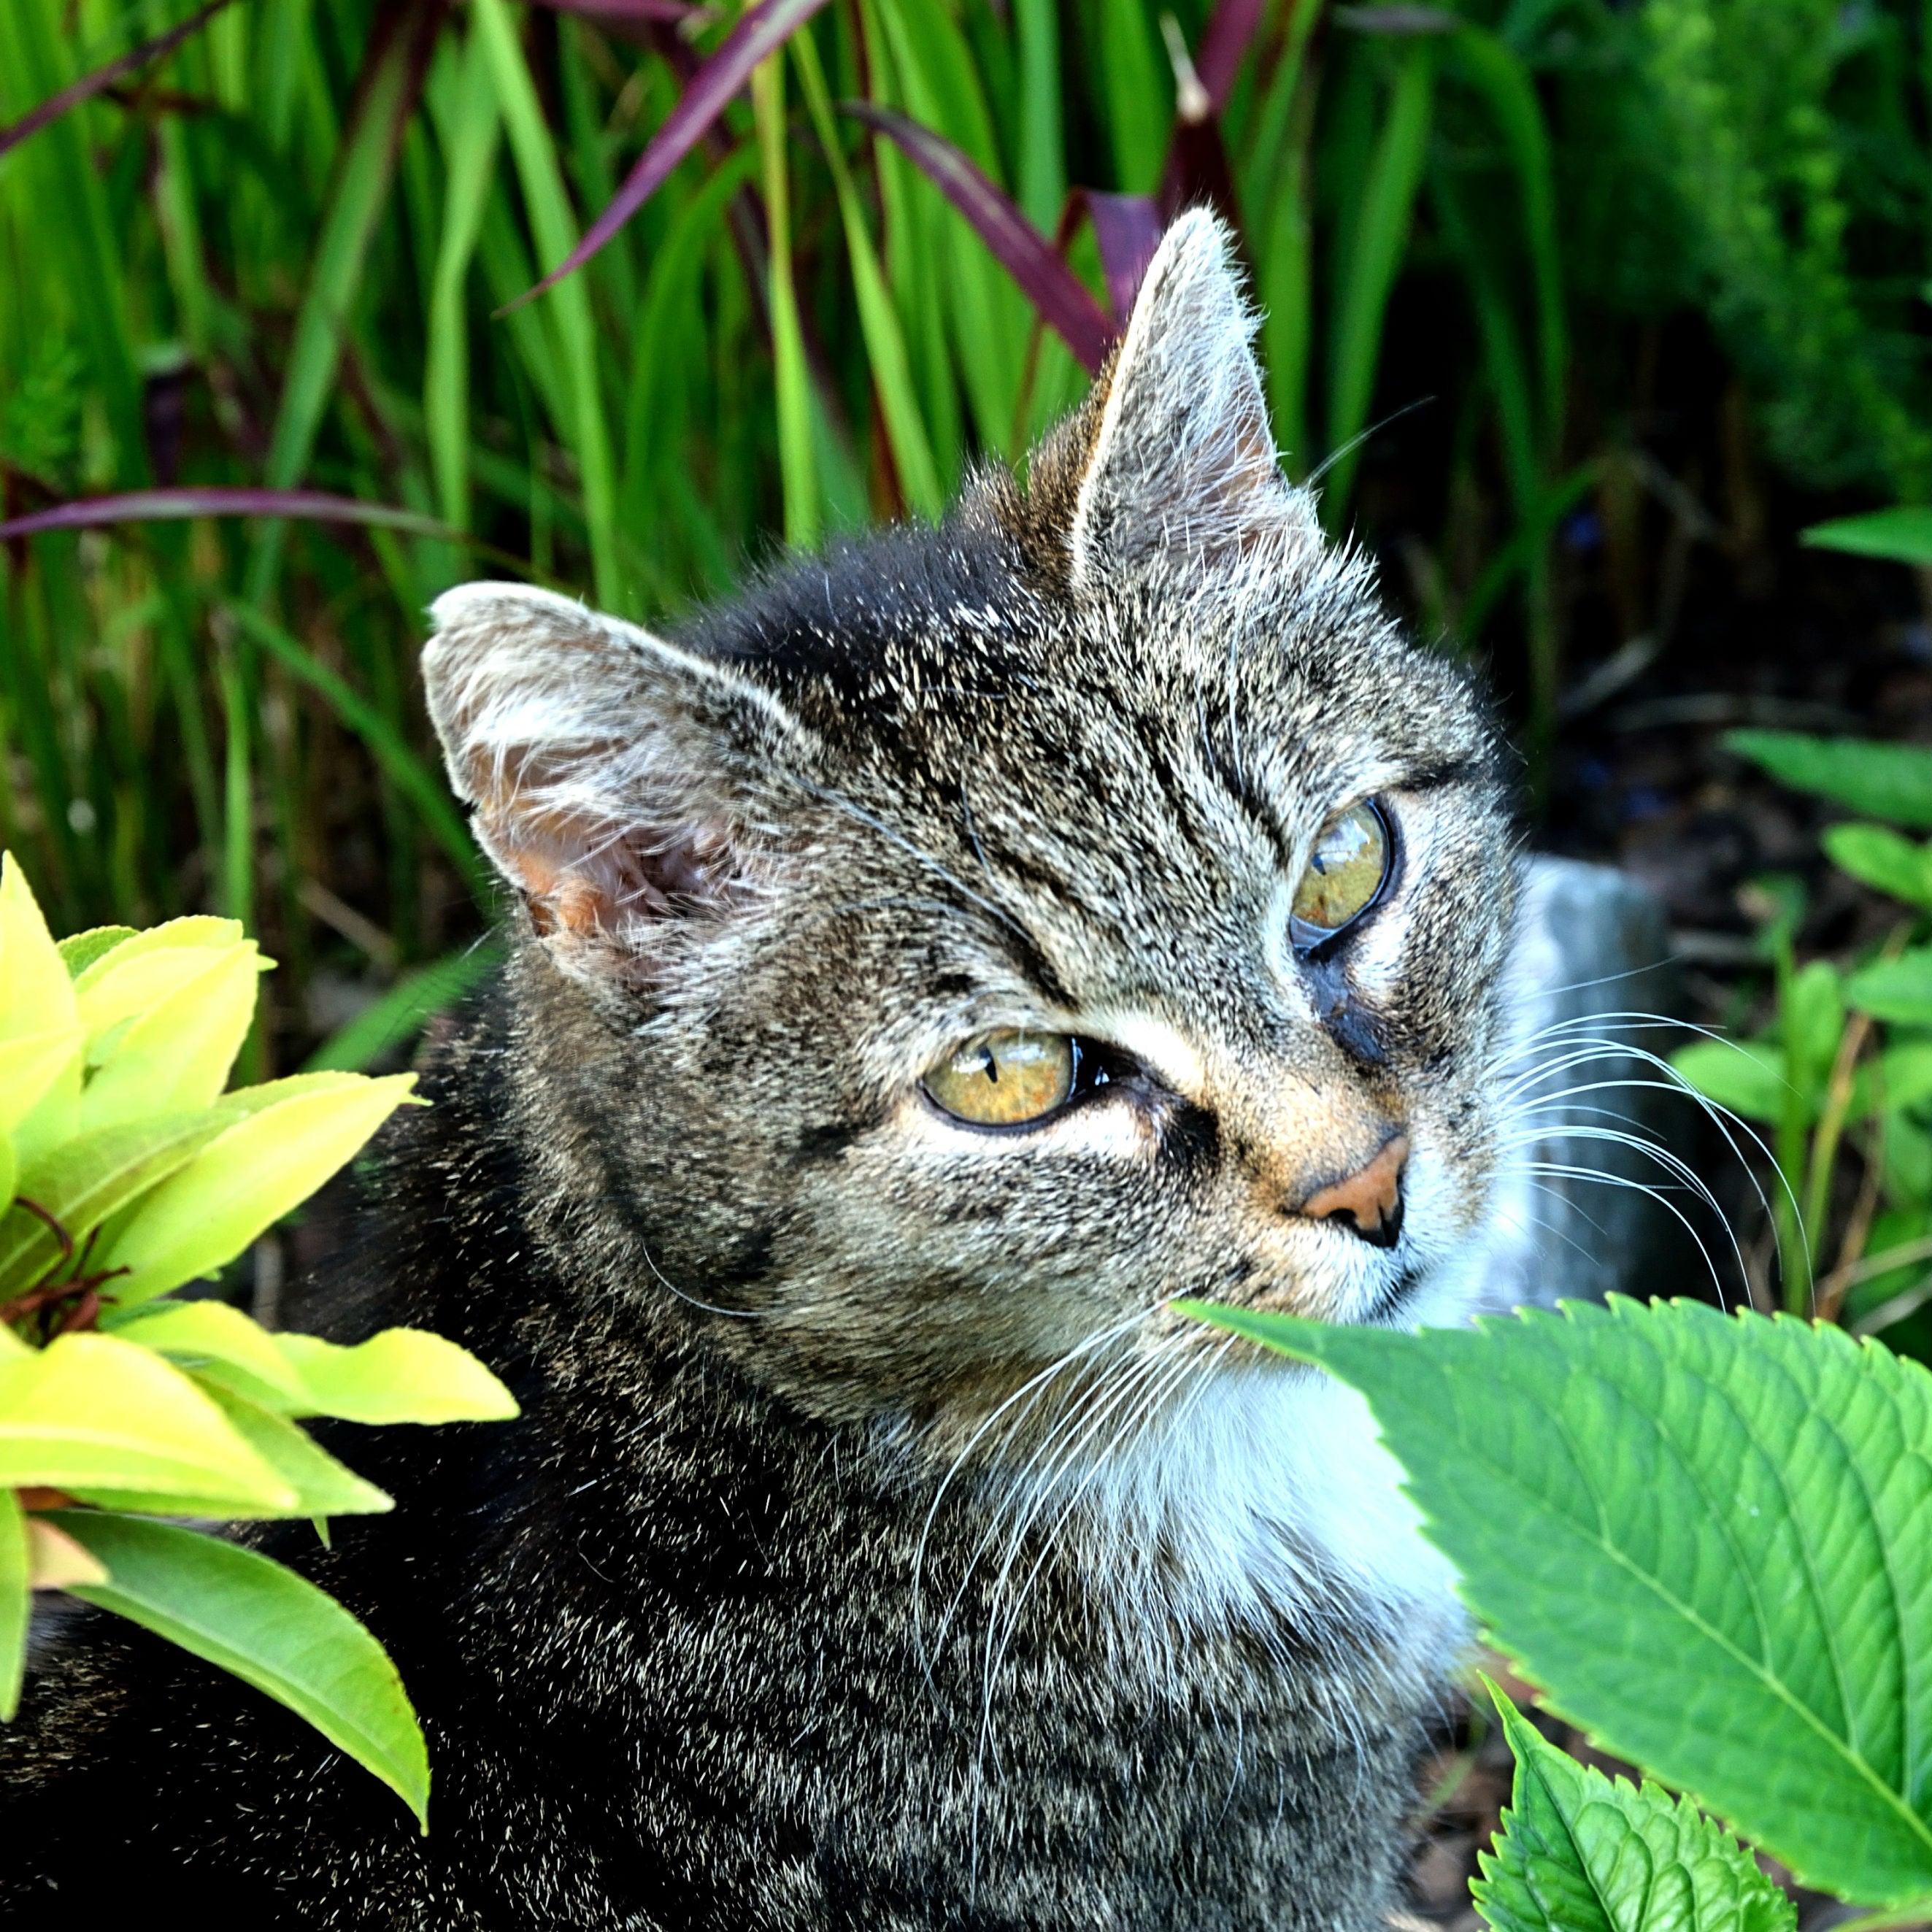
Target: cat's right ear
point(610, 773)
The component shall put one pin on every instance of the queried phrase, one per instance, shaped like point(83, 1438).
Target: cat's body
point(876, 1549)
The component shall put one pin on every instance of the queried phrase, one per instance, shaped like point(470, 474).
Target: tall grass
point(291, 254)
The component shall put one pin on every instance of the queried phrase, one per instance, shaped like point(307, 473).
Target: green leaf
point(1899, 990)
point(1747, 1076)
point(246, 1178)
point(1578, 1853)
point(83, 1182)
point(91, 1410)
point(16, 1602)
point(402, 1374)
point(177, 1054)
point(80, 950)
point(402, 1012)
point(323, 1486)
point(134, 979)
point(1709, 1537)
point(1881, 857)
point(218, 1343)
point(1888, 782)
point(269, 1626)
point(36, 998)
point(1902, 533)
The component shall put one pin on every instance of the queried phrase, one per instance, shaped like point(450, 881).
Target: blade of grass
point(1064, 301)
point(1138, 89)
point(403, 1011)
point(1367, 272)
point(103, 78)
point(392, 77)
point(878, 318)
point(585, 431)
point(468, 164)
point(762, 32)
point(1042, 174)
point(803, 518)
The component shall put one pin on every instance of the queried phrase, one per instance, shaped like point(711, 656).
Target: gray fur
point(877, 1549)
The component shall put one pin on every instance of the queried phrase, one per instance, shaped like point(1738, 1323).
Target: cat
point(925, 968)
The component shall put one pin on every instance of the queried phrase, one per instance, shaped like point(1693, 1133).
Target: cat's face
point(969, 940)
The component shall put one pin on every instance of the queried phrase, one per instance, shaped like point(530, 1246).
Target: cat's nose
point(1369, 1201)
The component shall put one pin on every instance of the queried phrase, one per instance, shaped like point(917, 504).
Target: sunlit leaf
point(245, 1180)
point(29, 1064)
point(401, 1375)
point(55, 1561)
point(36, 997)
point(91, 1410)
point(176, 1054)
point(218, 1343)
point(80, 950)
point(265, 1624)
point(85, 1181)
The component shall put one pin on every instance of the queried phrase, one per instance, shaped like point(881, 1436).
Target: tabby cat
point(924, 967)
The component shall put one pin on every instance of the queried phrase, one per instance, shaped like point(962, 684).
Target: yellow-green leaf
point(35, 993)
point(177, 1054)
point(55, 1562)
point(322, 1486)
point(84, 1181)
point(30, 1062)
point(268, 1626)
point(402, 1374)
point(133, 980)
point(216, 1343)
point(264, 1164)
point(80, 950)
point(92, 1410)
point(16, 1602)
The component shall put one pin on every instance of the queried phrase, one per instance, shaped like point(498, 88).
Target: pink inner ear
point(593, 880)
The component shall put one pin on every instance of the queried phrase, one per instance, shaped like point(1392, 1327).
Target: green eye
point(1345, 872)
point(1004, 1079)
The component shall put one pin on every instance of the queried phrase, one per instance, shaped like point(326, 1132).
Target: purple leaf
point(761, 32)
point(104, 77)
point(1062, 299)
point(142, 506)
point(1128, 228)
point(1224, 45)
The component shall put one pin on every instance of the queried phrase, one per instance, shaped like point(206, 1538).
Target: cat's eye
point(1005, 1079)
point(1346, 872)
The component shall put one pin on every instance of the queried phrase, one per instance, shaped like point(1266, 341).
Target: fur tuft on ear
point(609, 771)
point(1183, 458)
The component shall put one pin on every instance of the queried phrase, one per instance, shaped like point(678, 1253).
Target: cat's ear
point(610, 773)
point(1182, 459)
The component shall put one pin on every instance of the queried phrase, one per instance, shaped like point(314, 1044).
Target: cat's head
point(969, 939)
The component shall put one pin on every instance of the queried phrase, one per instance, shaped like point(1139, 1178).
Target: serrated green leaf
point(323, 1486)
point(269, 1626)
point(217, 1343)
point(197, 929)
point(1899, 990)
point(1709, 1537)
point(84, 1181)
point(1883, 780)
point(16, 1602)
point(1580, 1852)
point(176, 1054)
point(402, 1374)
point(266, 1163)
point(29, 1064)
point(80, 950)
point(1882, 858)
point(92, 1410)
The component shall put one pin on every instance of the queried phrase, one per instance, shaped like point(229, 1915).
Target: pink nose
point(1369, 1202)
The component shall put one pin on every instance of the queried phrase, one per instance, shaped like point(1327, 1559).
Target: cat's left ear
point(1184, 459)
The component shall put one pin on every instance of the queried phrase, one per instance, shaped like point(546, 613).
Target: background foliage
point(279, 257)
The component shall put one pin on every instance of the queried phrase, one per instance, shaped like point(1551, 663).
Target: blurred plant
point(126, 1172)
